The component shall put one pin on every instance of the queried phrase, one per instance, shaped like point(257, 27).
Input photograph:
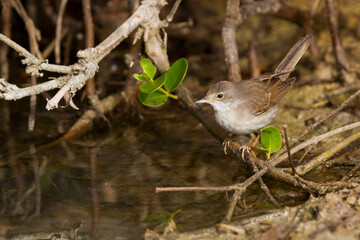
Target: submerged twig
point(94, 191)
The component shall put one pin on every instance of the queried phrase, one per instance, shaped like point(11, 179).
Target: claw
point(226, 144)
point(243, 149)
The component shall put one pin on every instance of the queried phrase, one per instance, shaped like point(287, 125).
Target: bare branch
point(53, 103)
point(58, 31)
point(87, 65)
point(228, 35)
point(170, 16)
point(339, 54)
point(12, 92)
point(89, 41)
point(34, 33)
point(34, 65)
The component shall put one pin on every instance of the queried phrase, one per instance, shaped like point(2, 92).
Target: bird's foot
point(226, 144)
point(230, 141)
point(244, 149)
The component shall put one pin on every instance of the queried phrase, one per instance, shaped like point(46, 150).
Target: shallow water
point(107, 179)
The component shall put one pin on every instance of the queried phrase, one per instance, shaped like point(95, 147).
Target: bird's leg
point(256, 140)
point(248, 149)
point(227, 143)
point(231, 141)
point(243, 149)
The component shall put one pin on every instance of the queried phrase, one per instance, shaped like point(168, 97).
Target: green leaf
point(176, 74)
point(161, 217)
point(153, 86)
point(171, 220)
point(153, 99)
point(157, 218)
point(140, 77)
point(271, 139)
point(148, 67)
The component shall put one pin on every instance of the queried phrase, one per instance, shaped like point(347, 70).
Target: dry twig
point(229, 40)
point(59, 30)
point(342, 65)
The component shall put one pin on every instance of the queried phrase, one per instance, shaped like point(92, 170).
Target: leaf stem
point(168, 94)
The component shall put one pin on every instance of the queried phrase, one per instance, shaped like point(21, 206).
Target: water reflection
point(106, 181)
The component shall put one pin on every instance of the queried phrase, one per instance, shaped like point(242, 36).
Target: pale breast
point(243, 122)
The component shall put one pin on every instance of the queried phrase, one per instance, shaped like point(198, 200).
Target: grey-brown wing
point(279, 90)
point(267, 94)
point(259, 96)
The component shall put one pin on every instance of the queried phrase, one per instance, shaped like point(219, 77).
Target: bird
point(245, 107)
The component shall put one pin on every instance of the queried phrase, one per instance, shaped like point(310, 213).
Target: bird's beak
point(203, 100)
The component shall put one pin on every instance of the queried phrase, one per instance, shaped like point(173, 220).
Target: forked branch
point(86, 67)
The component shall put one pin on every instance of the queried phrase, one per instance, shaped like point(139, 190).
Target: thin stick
point(228, 35)
point(58, 31)
point(89, 38)
point(288, 150)
point(193, 189)
point(34, 34)
point(261, 181)
point(339, 54)
point(306, 152)
point(351, 173)
point(50, 48)
point(233, 202)
point(170, 16)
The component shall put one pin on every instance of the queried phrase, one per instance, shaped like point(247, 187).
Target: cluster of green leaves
point(271, 140)
point(155, 92)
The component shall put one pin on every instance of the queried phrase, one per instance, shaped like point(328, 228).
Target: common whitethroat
point(249, 105)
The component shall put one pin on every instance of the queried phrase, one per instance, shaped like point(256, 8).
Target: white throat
point(219, 106)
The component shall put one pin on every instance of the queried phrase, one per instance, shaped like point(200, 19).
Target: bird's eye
point(220, 95)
